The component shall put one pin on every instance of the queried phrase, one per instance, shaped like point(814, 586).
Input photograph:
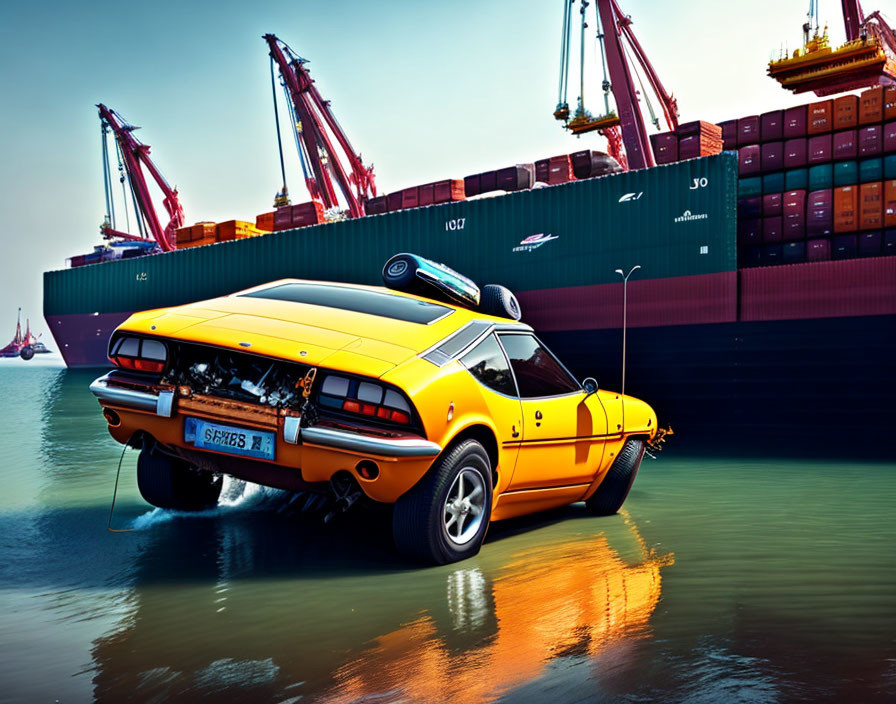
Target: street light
point(624, 321)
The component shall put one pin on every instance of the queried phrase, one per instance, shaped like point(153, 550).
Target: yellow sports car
point(443, 404)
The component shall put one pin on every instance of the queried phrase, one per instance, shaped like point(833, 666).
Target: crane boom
point(135, 155)
point(313, 117)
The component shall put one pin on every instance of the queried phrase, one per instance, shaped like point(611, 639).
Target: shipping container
point(750, 256)
point(234, 229)
point(820, 213)
point(818, 250)
point(820, 150)
point(772, 204)
point(793, 252)
point(871, 207)
point(796, 179)
point(265, 222)
point(890, 103)
point(846, 206)
point(870, 140)
point(749, 207)
point(283, 218)
point(890, 203)
point(448, 190)
point(844, 247)
point(488, 180)
point(890, 166)
point(772, 156)
point(750, 231)
point(377, 205)
point(521, 176)
point(750, 187)
point(773, 183)
point(471, 185)
point(307, 214)
point(846, 173)
point(771, 254)
point(871, 244)
point(821, 176)
point(771, 126)
point(845, 145)
point(795, 152)
point(748, 130)
point(729, 133)
point(795, 122)
point(889, 140)
point(871, 170)
point(772, 229)
point(665, 147)
point(426, 194)
point(749, 160)
point(846, 112)
point(890, 242)
point(555, 170)
point(794, 208)
point(820, 117)
point(871, 106)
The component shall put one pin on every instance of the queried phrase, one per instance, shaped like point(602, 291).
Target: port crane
point(133, 158)
point(624, 128)
point(868, 57)
point(311, 118)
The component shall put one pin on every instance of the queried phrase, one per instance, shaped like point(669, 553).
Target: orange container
point(871, 210)
point(846, 112)
point(846, 207)
point(265, 222)
point(890, 103)
point(235, 229)
point(820, 117)
point(196, 243)
point(871, 106)
point(184, 234)
point(890, 203)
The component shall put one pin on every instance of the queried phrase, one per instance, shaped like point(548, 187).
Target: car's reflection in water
point(262, 605)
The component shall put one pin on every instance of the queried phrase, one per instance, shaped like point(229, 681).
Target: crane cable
point(564, 55)
point(277, 122)
point(606, 85)
point(653, 118)
point(582, 59)
point(107, 175)
point(121, 179)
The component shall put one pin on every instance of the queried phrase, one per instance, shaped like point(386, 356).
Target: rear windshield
point(385, 305)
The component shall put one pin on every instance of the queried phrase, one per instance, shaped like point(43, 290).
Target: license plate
point(227, 438)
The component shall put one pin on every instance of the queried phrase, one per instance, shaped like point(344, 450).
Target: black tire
point(26, 353)
point(167, 482)
point(613, 490)
point(400, 272)
point(418, 522)
point(500, 301)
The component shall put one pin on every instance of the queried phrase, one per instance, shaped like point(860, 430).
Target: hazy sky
point(425, 90)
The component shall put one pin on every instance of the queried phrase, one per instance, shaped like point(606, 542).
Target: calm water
point(725, 580)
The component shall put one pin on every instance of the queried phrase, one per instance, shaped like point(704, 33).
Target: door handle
point(537, 415)
point(514, 432)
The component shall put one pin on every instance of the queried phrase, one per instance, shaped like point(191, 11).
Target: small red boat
point(24, 346)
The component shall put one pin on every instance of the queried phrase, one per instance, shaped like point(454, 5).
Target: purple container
point(749, 207)
point(471, 185)
point(820, 149)
point(772, 229)
point(665, 147)
point(890, 241)
point(845, 247)
point(771, 126)
point(749, 231)
point(794, 215)
point(795, 122)
point(818, 250)
point(870, 140)
point(890, 138)
point(845, 145)
point(870, 243)
point(748, 130)
point(820, 213)
point(488, 181)
point(771, 254)
point(795, 153)
point(394, 200)
point(729, 133)
point(772, 204)
point(749, 160)
point(688, 148)
point(772, 156)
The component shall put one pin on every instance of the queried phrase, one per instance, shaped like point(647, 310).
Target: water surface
point(724, 579)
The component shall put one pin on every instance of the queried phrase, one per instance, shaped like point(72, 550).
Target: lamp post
point(624, 321)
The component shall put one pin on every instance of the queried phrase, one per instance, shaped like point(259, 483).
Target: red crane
point(312, 117)
point(624, 127)
point(133, 157)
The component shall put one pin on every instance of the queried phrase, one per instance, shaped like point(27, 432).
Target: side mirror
point(590, 385)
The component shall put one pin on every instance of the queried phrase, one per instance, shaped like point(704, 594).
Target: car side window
point(537, 372)
point(486, 361)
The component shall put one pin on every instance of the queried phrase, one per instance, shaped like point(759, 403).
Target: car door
point(563, 429)
point(488, 364)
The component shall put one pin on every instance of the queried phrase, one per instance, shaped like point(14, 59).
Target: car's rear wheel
point(445, 516)
point(613, 490)
point(168, 482)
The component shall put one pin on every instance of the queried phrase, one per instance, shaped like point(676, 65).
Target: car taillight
point(139, 355)
point(365, 398)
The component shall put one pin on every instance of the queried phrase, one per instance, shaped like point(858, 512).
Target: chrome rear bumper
point(161, 403)
point(370, 444)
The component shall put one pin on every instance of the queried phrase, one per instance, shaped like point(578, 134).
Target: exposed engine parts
point(241, 377)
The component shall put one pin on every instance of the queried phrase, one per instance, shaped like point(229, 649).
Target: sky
point(424, 90)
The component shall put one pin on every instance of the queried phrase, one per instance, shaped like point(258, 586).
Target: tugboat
point(24, 346)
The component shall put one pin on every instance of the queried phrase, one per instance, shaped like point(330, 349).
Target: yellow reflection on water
point(574, 598)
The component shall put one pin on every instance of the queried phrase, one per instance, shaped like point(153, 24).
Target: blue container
point(871, 170)
point(890, 166)
point(821, 177)
point(773, 183)
point(846, 173)
point(845, 247)
point(749, 187)
point(870, 243)
point(772, 254)
point(793, 252)
point(796, 180)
